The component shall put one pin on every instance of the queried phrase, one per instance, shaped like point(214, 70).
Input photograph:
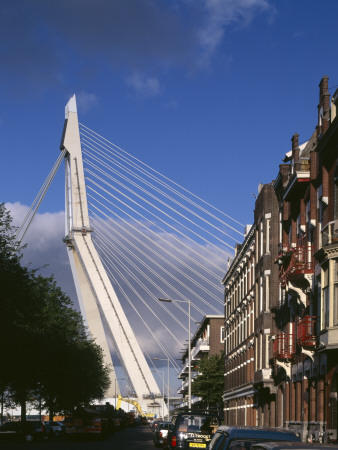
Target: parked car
point(27, 431)
point(155, 423)
point(57, 428)
point(160, 432)
point(191, 429)
point(291, 446)
point(242, 437)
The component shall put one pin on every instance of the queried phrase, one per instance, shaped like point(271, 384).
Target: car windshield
point(196, 423)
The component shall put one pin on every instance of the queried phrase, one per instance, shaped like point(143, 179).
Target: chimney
point(284, 170)
point(323, 106)
point(295, 147)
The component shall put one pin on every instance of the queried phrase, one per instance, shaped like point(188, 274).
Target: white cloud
point(86, 101)
point(222, 13)
point(45, 249)
point(145, 86)
point(45, 229)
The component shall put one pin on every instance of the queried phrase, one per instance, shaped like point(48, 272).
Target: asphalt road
point(136, 438)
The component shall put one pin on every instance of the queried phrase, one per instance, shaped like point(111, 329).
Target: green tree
point(209, 383)
point(46, 351)
point(18, 313)
point(72, 372)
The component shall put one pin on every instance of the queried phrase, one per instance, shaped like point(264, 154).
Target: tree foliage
point(46, 352)
point(209, 383)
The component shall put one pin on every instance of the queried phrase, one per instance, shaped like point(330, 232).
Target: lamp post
point(168, 401)
point(162, 372)
point(169, 300)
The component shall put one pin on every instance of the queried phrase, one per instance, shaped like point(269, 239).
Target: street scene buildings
point(208, 339)
point(281, 293)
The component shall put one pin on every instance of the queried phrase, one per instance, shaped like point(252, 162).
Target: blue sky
point(207, 92)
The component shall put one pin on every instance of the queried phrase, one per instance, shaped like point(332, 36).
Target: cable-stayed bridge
point(133, 235)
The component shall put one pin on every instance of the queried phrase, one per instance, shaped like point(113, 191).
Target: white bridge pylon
point(98, 301)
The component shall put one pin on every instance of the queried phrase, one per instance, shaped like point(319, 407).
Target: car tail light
point(161, 434)
point(173, 441)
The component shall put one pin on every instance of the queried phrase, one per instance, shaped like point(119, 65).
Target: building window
point(266, 350)
point(335, 194)
point(249, 277)
point(260, 293)
point(268, 232)
point(299, 231)
point(246, 324)
point(261, 239)
point(326, 297)
point(267, 292)
point(335, 293)
point(260, 354)
point(222, 334)
point(308, 221)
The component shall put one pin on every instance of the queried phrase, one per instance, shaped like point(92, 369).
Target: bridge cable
point(156, 216)
point(142, 243)
point(127, 250)
point(146, 276)
point(38, 199)
point(155, 207)
point(126, 269)
point(181, 243)
point(213, 255)
point(155, 171)
point(107, 166)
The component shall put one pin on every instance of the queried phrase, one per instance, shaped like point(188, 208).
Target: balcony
point(299, 180)
point(201, 346)
point(307, 332)
point(183, 388)
point(284, 348)
point(294, 263)
point(184, 371)
point(330, 234)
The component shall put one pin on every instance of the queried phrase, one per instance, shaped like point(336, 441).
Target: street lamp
point(168, 401)
point(169, 300)
point(162, 372)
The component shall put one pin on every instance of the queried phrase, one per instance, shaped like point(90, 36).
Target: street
point(136, 438)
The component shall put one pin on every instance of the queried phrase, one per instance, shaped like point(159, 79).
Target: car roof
point(289, 445)
point(197, 413)
point(247, 431)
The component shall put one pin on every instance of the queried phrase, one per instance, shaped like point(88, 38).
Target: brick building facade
point(294, 379)
point(239, 284)
point(266, 298)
